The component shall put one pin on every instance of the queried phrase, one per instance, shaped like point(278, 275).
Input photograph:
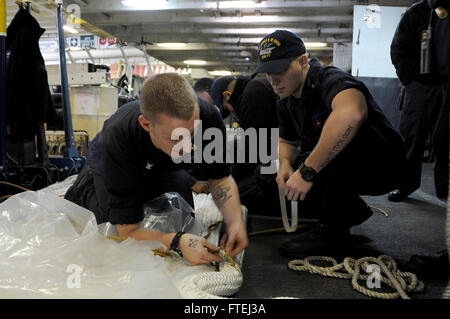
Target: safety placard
point(87, 41)
point(107, 42)
point(73, 41)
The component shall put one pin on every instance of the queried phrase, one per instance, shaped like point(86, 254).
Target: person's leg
point(369, 165)
point(102, 197)
point(337, 207)
point(98, 202)
point(334, 200)
point(257, 200)
point(267, 182)
point(421, 106)
point(327, 197)
point(84, 193)
point(441, 146)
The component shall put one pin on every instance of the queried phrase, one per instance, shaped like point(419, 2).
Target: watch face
point(308, 174)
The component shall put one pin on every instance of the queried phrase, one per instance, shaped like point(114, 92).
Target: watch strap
point(303, 167)
point(174, 246)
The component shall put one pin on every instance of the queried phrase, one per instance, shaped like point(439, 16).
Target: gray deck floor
point(414, 226)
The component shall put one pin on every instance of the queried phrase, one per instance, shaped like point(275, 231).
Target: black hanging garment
point(28, 96)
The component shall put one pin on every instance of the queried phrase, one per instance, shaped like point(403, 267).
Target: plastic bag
point(60, 188)
point(168, 213)
point(51, 248)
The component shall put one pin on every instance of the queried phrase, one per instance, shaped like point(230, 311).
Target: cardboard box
point(91, 106)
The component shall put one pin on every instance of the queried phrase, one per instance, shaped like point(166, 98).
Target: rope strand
point(351, 269)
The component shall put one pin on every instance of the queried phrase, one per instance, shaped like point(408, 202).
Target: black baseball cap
point(216, 92)
point(277, 50)
point(203, 85)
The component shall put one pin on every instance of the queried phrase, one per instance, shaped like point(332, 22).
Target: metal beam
point(146, 18)
point(116, 5)
point(180, 30)
point(244, 41)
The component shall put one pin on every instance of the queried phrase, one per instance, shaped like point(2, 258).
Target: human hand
point(197, 250)
point(235, 240)
point(297, 187)
point(201, 187)
point(284, 173)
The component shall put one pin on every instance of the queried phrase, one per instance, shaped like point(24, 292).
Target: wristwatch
point(308, 173)
point(174, 245)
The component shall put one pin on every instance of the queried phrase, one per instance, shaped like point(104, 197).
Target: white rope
point(287, 226)
point(206, 283)
point(351, 269)
point(294, 209)
point(211, 284)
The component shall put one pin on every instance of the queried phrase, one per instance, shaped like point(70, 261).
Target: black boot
point(399, 195)
point(434, 265)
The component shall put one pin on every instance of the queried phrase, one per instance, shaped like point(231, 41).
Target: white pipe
point(112, 53)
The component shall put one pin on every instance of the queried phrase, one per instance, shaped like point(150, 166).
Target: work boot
point(434, 265)
point(398, 195)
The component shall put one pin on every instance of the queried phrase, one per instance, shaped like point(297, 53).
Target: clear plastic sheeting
point(168, 213)
point(51, 248)
point(60, 188)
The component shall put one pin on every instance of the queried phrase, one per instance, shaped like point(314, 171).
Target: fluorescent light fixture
point(74, 49)
point(238, 4)
point(171, 45)
point(194, 62)
point(220, 73)
point(251, 19)
point(69, 29)
point(146, 4)
point(315, 44)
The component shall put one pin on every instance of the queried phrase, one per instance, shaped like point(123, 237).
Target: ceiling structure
point(225, 34)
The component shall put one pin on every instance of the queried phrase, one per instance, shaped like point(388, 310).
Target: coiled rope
point(350, 268)
point(211, 284)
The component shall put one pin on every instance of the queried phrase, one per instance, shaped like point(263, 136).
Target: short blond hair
point(168, 93)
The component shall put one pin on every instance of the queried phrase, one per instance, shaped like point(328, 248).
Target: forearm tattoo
point(193, 242)
point(337, 148)
point(220, 195)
